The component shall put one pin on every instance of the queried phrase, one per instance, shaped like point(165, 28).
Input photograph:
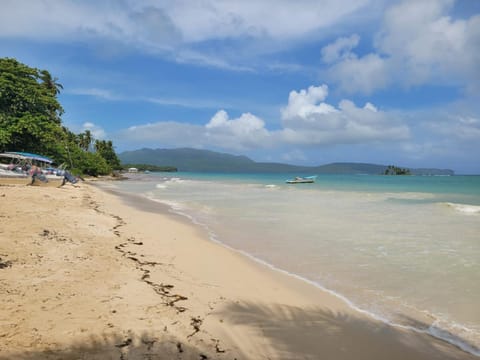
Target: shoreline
point(176, 292)
point(429, 328)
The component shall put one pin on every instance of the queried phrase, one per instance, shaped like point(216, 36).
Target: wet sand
point(85, 274)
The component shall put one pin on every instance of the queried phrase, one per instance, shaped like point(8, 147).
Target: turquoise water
point(404, 248)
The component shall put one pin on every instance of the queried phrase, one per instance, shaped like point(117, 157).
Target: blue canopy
point(25, 155)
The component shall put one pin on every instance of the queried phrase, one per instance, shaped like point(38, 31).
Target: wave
point(464, 208)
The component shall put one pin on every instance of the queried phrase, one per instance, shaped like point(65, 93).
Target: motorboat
point(302, 180)
point(21, 165)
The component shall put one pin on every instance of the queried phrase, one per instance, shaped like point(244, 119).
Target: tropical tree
point(394, 170)
point(85, 140)
point(30, 120)
point(105, 149)
point(29, 114)
point(50, 83)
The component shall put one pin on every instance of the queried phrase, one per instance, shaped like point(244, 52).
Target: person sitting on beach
point(36, 173)
point(68, 177)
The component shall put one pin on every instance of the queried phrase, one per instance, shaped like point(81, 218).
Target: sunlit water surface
point(405, 249)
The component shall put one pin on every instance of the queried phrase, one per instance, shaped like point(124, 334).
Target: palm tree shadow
point(115, 346)
point(318, 333)
point(294, 333)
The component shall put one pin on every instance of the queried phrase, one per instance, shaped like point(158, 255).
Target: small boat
point(22, 164)
point(302, 180)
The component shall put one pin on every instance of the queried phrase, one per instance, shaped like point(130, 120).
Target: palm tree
point(50, 83)
point(85, 140)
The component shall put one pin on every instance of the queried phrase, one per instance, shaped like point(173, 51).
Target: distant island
point(196, 160)
point(395, 170)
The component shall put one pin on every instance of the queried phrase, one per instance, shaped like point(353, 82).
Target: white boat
point(302, 180)
point(20, 165)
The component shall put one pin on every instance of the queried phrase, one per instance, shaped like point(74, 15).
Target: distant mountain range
point(195, 160)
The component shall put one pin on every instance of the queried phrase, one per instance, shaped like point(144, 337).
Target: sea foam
point(464, 208)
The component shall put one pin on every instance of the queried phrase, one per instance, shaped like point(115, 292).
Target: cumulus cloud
point(307, 120)
point(430, 43)
point(244, 132)
point(419, 43)
point(303, 104)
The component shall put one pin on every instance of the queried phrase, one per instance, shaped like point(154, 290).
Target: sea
point(404, 249)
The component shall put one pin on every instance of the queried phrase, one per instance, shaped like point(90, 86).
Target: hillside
point(195, 160)
point(186, 159)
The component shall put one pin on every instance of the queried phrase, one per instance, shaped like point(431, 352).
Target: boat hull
point(300, 181)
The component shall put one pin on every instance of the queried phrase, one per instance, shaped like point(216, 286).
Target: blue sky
point(303, 82)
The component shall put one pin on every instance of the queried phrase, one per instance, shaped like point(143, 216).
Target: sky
point(304, 82)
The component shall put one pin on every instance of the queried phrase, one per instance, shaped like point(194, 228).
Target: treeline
point(147, 167)
point(394, 170)
point(30, 121)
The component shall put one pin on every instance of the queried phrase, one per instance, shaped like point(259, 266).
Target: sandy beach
point(86, 274)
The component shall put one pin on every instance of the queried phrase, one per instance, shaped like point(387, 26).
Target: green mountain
point(195, 160)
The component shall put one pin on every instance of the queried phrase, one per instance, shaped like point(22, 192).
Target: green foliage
point(85, 140)
point(105, 150)
point(30, 120)
point(394, 170)
point(92, 164)
point(29, 114)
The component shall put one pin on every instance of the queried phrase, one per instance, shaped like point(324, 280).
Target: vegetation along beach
point(233, 180)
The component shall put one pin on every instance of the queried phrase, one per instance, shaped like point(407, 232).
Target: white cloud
point(306, 121)
point(341, 49)
point(364, 75)
point(177, 29)
point(209, 19)
point(98, 93)
point(419, 43)
point(108, 95)
point(209, 60)
point(429, 43)
point(303, 104)
point(97, 131)
point(247, 131)
point(196, 103)
point(371, 107)
point(459, 127)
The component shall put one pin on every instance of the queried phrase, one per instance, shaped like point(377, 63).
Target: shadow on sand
point(292, 332)
point(117, 347)
point(316, 333)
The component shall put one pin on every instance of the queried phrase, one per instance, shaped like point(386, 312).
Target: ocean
point(405, 249)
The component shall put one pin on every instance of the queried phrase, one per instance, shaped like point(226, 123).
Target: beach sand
point(85, 274)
